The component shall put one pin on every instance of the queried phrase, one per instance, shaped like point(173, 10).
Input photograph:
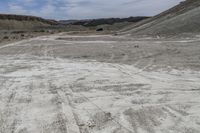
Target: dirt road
point(100, 84)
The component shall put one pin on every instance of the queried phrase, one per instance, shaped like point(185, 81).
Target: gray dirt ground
point(100, 84)
point(13, 36)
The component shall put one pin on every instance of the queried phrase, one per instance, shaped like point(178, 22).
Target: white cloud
point(121, 8)
point(16, 9)
point(48, 10)
point(81, 9)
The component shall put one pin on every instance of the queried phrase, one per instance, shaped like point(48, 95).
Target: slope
point(183, 18)
point(21, 22)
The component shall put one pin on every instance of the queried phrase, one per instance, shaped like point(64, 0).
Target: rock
point(99, 29)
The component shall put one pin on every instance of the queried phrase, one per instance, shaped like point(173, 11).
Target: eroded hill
point(21, 22)
point(183, 18)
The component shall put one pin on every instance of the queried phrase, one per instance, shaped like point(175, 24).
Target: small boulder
point(99, 29)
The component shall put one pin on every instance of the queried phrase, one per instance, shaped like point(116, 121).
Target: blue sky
point(85, 9)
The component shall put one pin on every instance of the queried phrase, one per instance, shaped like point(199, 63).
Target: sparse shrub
point(42, 30)
point(38, 31)
point(5, 37)
point(136, 46)
point(18, 32)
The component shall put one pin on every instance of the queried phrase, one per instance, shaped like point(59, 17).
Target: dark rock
point(99, 29)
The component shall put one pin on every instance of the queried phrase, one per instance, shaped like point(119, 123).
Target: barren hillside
point(12, 22)
point(183, 18)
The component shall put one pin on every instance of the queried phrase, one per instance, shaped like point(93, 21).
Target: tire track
point(7, 84)
point(67, 115)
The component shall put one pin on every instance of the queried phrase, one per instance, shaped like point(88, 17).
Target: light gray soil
point(100, 84)
point(183, 18)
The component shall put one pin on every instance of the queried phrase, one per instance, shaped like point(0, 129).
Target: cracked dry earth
point(60, 84)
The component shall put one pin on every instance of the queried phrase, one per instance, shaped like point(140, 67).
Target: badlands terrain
point(66, 83)
point(144, 78)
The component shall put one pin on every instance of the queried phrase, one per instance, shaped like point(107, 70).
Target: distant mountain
point(13, 22)
point(68, 21)
point(102, 21)
point(183, 18)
